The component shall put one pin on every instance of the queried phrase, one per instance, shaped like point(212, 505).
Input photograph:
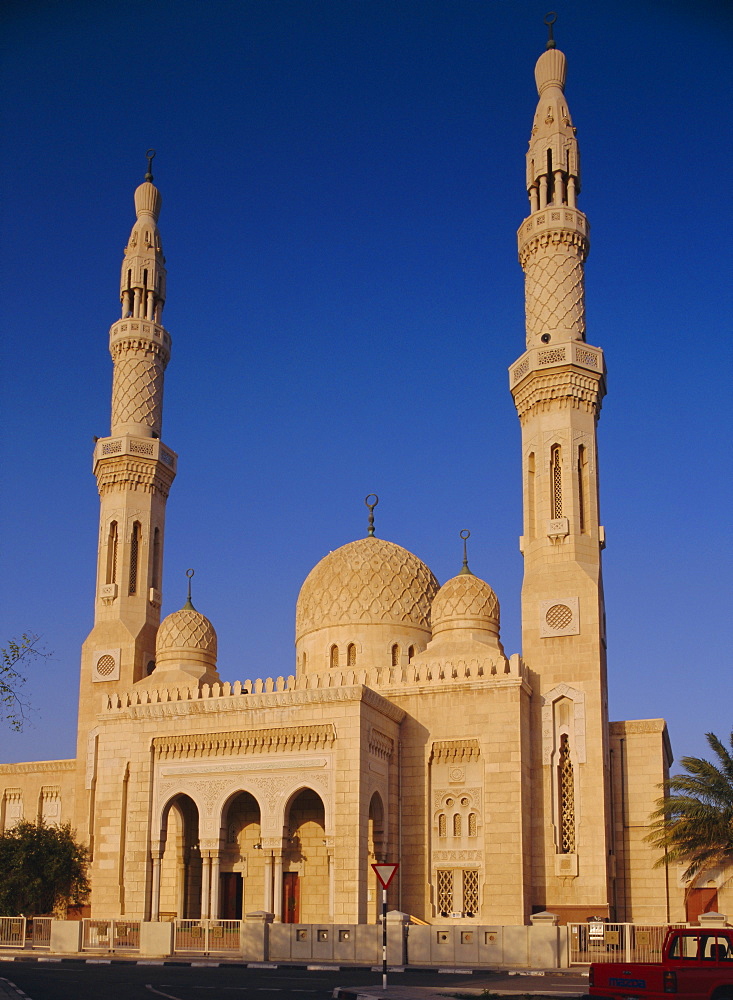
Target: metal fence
point(207, 936)
point(110, 935)
point(39, 932)
point(12, 932)
point(598, 941)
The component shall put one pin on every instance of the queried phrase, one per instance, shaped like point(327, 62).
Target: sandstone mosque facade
point(405, 733)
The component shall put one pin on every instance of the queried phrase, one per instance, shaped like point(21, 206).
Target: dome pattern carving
point(369, 581)
point(465, 597)
point(186, 629)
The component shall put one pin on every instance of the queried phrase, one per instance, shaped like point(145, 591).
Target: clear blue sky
point(342, 181)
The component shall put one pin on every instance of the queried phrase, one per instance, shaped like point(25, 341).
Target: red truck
point(696, 963)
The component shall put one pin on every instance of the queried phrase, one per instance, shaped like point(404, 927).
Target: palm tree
point(693, 822)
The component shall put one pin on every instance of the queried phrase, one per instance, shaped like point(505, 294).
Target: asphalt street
point(128, 981)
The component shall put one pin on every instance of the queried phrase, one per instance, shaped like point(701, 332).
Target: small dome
point(185, 630)
point(465, 602)
point(369, 581)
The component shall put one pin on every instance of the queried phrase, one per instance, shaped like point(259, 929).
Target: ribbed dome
point(148, 199)
point(550, 70)
point(186, 630)
point(369, 581)
point(465, 602)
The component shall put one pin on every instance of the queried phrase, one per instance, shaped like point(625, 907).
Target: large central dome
point(369, 581)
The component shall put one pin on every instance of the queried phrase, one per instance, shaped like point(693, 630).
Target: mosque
point(405, 732)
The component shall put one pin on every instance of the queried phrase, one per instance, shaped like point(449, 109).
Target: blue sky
point(342, 182)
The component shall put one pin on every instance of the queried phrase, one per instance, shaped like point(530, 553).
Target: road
point(128, 981)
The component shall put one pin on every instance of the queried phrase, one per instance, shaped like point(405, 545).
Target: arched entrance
point(241, 877)
point(306, 881)
point(375, 852)
point(180, 861)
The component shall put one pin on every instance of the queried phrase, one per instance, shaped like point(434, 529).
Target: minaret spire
point(558, 385)
point(133, 467)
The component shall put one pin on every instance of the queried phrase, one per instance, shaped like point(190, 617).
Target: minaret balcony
point(134, 329)
point(572, 352)
point(554, 219)
point(135, 447)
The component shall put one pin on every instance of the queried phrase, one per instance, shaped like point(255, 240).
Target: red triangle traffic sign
point(385, 873)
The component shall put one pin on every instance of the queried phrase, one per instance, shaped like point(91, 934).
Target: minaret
point(134, 469)
point(558, 385)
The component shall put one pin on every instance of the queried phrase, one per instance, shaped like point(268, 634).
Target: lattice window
point(472, 830)
point(111, 576)
point(470, 891)
point(442, 826)
point(445, 891)
point(457, 826)
point(134, 556)
point(334, 658)
point(566, 788)
point(395, 655)
point(351, 655)
point(555, 483)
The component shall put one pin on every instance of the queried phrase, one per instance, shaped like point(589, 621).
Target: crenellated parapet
point(334, 685)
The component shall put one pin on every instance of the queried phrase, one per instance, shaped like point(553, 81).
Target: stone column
point(205, 884)
point(214, 885)
point(277, 906)
point(155, 903)
point(267, 896)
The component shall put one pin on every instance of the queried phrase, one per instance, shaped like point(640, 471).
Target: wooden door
point(230, 896)
point(291, 898)
point(699, 901)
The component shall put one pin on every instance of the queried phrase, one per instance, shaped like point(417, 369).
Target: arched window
point(395, 655)
point(334, 658)
point(134, 556)
point(410, 654)
point(583, 489)
point(351, 655)
point(457, 826)
point(304, 660)
point(472, 825)
point(555, 482)
point(566, 790)
point(442, 826)
point(111, 571)
point(531, 515)
point(155, 580)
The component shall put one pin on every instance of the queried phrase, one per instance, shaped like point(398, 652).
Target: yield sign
point(385, 873)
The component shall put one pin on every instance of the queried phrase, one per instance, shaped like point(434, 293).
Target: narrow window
point(583, 489)
point(555, 483)
point(395, 655)
point(445, 891)
point(472, 824)
point(155, 582)
point(334, 656)
point(456, 824)
point(470, 891)
point(550, 178)
point(134, 556)
point(304, 660)
point(566, 790)
point(530, 496)
point(410, 654)
point(351, 655)
point(442, 826)
point(111, 573)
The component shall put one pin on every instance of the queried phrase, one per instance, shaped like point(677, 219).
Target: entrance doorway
point(699, 901)
point(291, 898)
point(230, 896)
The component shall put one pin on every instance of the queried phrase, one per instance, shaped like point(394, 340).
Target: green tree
point(17, 654)
point(43, 869)
point(693, 822)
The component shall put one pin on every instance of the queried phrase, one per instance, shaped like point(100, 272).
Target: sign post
point(385, 874)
